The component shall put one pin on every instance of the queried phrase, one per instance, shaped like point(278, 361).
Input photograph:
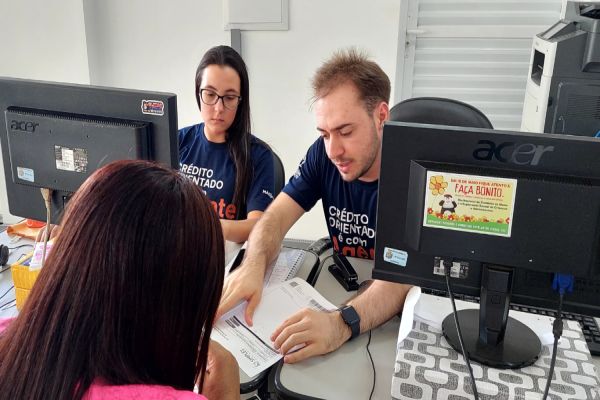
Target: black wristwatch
point(352, 319)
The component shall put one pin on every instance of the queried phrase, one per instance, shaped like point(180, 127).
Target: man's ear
point(381, 113)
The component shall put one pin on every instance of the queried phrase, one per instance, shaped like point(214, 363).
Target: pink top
point(101, 391)
point(4, 322)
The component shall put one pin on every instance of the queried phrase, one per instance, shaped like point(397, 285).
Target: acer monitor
point(55, 135)
point(503, 211)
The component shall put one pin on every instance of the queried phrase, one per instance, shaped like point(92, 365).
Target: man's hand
point(222, 377)
point(264, 243)
point(244, 283)
point(321, 332)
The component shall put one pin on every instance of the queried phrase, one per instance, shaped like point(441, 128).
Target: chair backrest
point(439, 111)
point(278, 174)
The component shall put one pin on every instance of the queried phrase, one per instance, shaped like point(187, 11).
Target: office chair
point(439, 111)
point(278, 174)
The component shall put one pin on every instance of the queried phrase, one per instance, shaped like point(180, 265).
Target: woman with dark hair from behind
point(124, 305)
point(233, 167)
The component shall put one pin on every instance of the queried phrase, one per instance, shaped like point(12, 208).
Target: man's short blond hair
point(352, 65)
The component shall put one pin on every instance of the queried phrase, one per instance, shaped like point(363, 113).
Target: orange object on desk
point(24, 230)
point(32, 223)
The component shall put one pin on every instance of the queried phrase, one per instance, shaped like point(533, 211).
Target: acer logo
point(509, 152)
point(25, 126)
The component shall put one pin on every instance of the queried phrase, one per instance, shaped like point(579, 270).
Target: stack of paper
point(252, 346)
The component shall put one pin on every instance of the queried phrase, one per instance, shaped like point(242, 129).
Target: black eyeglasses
point(210, 98)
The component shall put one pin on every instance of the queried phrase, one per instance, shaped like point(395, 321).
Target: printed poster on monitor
point(469, 203)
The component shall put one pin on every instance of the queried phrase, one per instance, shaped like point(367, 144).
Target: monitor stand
point(490, 336)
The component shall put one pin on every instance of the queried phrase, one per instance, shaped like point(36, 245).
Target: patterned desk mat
point(428, 368)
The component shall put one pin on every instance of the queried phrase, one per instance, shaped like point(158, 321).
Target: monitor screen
point(503, 211)
point(55, 135)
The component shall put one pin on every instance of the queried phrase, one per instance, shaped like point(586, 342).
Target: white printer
point(563, 86)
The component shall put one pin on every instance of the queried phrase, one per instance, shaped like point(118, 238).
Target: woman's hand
point(222, 377)
point(53, 230)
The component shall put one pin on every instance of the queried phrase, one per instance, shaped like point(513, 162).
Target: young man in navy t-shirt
point(349, 207)
point(342, 169)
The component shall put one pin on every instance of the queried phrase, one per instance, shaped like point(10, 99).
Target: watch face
point(352, 319)
point(350, 315)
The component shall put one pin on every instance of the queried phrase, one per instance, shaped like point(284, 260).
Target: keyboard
point(589, 326)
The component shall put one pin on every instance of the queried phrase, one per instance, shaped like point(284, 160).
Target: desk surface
point(247, 383)
point(347, 372)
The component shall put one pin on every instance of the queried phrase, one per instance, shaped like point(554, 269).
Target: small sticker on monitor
point(153, 107)
point(71, 159)
point(398, 257)
point(26, 174)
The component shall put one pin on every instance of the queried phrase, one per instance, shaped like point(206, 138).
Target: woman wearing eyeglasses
point(233, 167)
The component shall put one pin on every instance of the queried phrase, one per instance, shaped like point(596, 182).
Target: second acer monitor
point(504, 211)
point(55, 135)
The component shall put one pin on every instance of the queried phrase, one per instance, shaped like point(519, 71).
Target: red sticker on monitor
point(153, 107)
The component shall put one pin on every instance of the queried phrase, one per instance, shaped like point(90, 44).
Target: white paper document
point(252, 346)
point(286, 265)
point(408, 311)
point(433, 309)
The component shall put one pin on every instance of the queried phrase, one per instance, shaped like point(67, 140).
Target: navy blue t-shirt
point(350, 207)
point(210, 166)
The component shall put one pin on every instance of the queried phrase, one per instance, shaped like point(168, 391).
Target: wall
point(41, 40)
point(154, 45)
point(282, 64)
